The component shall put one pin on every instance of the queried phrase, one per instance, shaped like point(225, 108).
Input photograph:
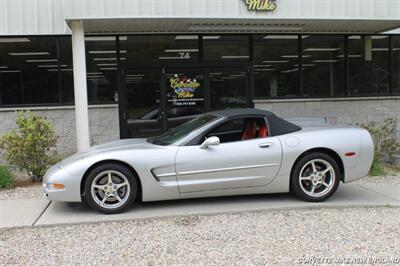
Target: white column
point(80, 87)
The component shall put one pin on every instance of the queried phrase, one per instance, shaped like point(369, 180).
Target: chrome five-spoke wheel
point(315, 177)
point(110, 188)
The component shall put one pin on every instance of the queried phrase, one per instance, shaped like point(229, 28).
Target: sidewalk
point(40, 212)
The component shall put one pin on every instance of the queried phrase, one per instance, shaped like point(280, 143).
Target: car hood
point(120, 145)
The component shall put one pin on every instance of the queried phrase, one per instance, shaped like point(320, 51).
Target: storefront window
point(28, 70)
point(160, 48)
point(101, 68)
point(369, 64)
point(228, 88)
point(226, 48)
point(323, 65)
point(276, 65)
point(396, 65)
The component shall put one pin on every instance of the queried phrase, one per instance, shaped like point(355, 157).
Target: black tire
point(299, 187)
point(119, 171)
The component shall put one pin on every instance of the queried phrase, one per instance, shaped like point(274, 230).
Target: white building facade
point(105, 70)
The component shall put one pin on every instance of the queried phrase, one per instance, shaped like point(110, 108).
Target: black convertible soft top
point(278, 126)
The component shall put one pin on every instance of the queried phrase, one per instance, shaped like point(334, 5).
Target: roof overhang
point(137, 25)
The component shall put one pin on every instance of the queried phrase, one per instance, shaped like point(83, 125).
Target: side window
point(240, 129)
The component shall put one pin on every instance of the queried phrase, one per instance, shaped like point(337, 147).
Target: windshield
point(181, 131)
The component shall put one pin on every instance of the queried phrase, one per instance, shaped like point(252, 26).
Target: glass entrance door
point(163, 98)
point(185, 95)
point(143, 103)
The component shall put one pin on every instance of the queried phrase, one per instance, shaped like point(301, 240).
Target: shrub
point(384, 136)
point(29, 147)
point(376, 168)
point(6, 178)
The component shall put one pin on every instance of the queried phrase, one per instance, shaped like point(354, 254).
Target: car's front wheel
point(315, 177)
point(110, 188)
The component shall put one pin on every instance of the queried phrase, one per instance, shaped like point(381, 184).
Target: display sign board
point(261, 5)
point(186, 90)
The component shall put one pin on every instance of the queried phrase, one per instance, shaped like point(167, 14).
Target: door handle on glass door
point(266, 145)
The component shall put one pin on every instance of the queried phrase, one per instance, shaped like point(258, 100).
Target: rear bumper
point(361, 164)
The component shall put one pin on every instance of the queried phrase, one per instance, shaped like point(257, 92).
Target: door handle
point(266, 145)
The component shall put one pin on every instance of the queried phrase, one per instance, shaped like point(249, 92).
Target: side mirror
point(212, 141)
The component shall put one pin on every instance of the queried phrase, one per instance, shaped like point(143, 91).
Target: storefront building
point(104, 70)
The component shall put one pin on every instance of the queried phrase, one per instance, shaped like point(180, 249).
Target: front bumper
point(71, 191)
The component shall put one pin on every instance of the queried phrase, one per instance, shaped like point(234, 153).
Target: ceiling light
point(285, 37)
point(266, 69)
point(105, 59)
point(10, 71)
point(181, 50)
point(135, 75)
point(295, 56)
point(262, 65)
point(350, 56)
point(41, 60)
point(211, 37)
point(379, 37)
point(234, 56)
point(46, 66)
point(13, 40)
point(100, 38)
point(186, 37)
point(31, 53)
point(276, 61)
point(107, 52)
point(108, 59)
point(55, 70)
point(325, 61)
point(3, 67)
point(305, 65)
point(380, 49)
point(321, 49)
point(108, 68)
point(355, 37)
point(281, 37)
point(111, 64)
point(290, 70)
point(172, 57)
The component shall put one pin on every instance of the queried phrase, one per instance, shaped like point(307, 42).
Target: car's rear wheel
point(110, 188)
point(315, 177)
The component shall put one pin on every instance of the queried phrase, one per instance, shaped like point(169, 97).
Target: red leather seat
point(251, 130)
point(263, 132)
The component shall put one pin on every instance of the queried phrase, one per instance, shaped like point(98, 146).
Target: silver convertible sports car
point(230, 152)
